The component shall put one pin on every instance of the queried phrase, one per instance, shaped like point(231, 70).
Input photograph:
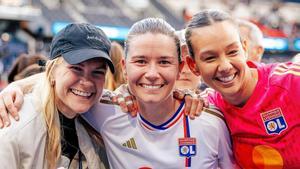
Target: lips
point(226, 79)
point(81, 93)
point(184, 79)
point(151, 86)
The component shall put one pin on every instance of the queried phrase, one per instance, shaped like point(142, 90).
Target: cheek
point(100, 84)
point(133, 73)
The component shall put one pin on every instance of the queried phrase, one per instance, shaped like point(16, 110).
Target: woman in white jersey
point(161, 136)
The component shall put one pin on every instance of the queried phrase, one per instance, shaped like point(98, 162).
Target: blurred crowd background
point(27, 26)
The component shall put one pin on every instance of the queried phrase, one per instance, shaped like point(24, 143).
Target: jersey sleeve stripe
point(296, 73)
point(214, 112)
point(283, 69)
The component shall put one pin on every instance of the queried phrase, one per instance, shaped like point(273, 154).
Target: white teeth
point(226, 79)
point(81, 93)
point(151, 86)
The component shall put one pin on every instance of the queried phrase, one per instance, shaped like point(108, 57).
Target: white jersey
point(135, 143)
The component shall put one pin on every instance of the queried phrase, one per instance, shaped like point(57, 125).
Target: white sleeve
point(226, 159)
point(98, 114)
point(9, 151)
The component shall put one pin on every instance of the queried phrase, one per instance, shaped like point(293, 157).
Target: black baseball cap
point(79, 42)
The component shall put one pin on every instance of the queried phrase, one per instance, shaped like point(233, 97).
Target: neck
point(67, 113)
point(240, 98)
point(158, 113)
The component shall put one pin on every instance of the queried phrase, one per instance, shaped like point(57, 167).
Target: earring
point(52, 83)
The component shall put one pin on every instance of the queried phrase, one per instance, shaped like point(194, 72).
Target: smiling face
point(220, 57)
point(78, 87)
point(152, 67)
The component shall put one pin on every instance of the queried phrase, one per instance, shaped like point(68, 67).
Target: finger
point(188, 104)
point(205, 103)
point(4, 116)
point(10, 106)
point(121, 103)
point(178, 94)
point(114, 99)
point(18, 100)
point(135, 105)
point(199, 108)
point(1, 123)
point(129, 103)
point(194, 106)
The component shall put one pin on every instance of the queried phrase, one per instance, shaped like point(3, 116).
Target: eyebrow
point(213, 52)
point(161, 57)
point(101, 66)
point(137, 56)
point(232, 45)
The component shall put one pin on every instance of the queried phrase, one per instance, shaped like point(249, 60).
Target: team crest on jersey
point(187, 147)
point(274, 121)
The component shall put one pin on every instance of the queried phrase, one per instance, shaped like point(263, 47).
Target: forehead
point(94, 62)
point(219, 34)
point(152, 44)
point(245, 31)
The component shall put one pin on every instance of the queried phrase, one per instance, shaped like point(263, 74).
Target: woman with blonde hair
point(50, 134)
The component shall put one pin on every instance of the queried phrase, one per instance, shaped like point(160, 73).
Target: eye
point(209, 58)
point(164, 62)
point(140, 61)
point(76, 68)
point(99, 72)
point(233, 52)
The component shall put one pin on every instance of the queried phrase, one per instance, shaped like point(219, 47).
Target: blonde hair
point(113, 81)
point(46, 92)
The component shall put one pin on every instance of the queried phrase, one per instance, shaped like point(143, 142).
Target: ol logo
point(274, 121)
point(187, 147)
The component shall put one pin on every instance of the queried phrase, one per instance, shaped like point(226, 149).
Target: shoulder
point(286, 75)
point(100, 113)
point(212, 118)
point(30, 119)
point(286, 70)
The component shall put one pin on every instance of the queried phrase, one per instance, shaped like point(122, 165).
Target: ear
point(192, 65)
point(260, 50)
point(124, 67)
point(52, 82)
point(245, 47)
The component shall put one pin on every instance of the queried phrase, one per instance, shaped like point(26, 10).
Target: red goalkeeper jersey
point(265, 130)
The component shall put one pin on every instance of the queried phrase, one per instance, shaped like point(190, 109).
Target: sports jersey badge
point(274, 121)
point(187, 147)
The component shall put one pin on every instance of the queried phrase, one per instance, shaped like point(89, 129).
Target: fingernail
point(17, 118)
point(6, 124)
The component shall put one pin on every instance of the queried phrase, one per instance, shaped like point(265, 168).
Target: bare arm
point(11, 98)
point(193, 107)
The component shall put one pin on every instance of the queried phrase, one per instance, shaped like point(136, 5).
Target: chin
point(80, 110)
point(150, 101)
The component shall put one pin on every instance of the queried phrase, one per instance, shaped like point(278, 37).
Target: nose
point(185, 69)
point(86, 79)
point(152, 72)
point(85, 82)
point(224, 65)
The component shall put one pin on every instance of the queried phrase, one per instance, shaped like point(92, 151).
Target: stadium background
point(27, 26)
